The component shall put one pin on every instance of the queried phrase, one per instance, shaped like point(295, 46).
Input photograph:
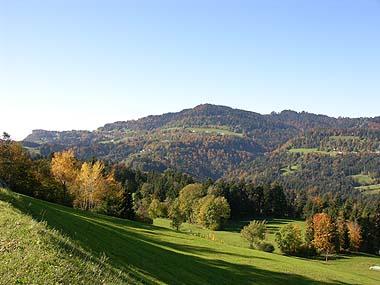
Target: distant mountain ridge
point(205, 141)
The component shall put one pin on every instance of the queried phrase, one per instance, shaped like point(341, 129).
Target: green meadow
point(310, 150)
point(290, 169)
point(231, 233)
point(370, 189)
point(363, 179)
point(44, 243)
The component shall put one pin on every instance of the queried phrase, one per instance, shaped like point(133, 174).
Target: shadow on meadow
point(272, 224)
point(141, 250)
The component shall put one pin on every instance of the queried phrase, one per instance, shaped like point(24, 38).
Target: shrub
point(254, 232)
point(306, 250)
point(265, 246)
point(289, 239)
point(156, 209)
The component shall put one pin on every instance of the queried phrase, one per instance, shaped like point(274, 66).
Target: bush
point(289, 239)
point(157, 209)
point(306, 251)
point(144, 219)
point(254, 233)
point(265, 246)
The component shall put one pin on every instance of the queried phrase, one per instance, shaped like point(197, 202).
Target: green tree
point(156, 209)
point(309, 234)
point(141, 206)
point(188, 199)
point(213, 211)
point(175, 215)
point(274, 204)
point(254, 233)
point(289, 239)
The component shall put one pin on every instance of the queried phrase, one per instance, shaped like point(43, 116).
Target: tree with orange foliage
point(355, 235)
point(323, 233)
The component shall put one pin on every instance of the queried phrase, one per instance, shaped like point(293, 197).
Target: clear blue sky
point(79, 64)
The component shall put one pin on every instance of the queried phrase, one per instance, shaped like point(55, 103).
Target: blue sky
point(80, 64)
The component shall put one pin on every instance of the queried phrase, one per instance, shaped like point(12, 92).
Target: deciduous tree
point(156, 209)
point(65, 167)
point(254, 233)
point(175, 215)
point(212, 211)
point(355, 235)
point(323, 234)
point(289, 239)
point(188, 199)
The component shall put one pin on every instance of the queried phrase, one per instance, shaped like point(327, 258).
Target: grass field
point(157, 255)
point(33, 151)
point(215, 131)
point(220, 130)
point(370, 189)
point(31, 253)
point(367, 184)
point(344, 138)
point(290, 170)
point(311, 150)
point(231, 233)
point(363, 179)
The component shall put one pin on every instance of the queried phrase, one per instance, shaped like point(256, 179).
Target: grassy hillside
point(31, 253)
point(153, 254)
point(310, 150)
point(231, 233)
point(363, 179)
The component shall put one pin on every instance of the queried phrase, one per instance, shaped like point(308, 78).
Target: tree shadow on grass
point(136, 248)
point(273, 224)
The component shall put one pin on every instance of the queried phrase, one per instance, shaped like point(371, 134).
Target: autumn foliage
point(355, 235)
point(87, 183)
point(323, 233)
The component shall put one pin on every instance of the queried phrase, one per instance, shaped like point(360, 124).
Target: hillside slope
point(155, 255)
point(327, 160)
point(206, 141)
point(33, 253)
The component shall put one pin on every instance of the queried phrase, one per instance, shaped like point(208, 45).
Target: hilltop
point(208, 141)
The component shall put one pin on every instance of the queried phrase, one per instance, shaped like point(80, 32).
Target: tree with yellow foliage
point(90, 186)
point(93, 188)
point(64, 167)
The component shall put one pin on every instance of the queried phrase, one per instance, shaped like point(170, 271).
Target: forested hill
point(206, 141)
